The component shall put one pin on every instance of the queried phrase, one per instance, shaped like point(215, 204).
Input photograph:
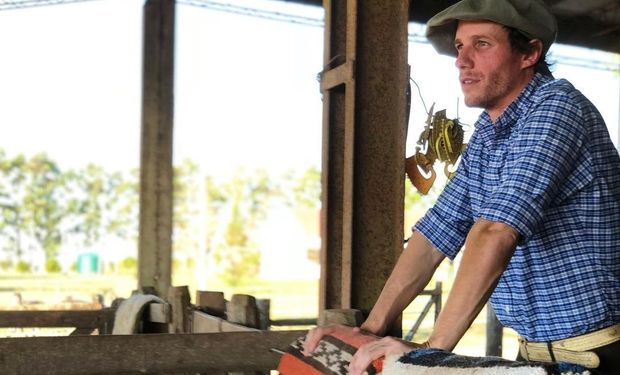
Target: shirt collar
point(511, 114)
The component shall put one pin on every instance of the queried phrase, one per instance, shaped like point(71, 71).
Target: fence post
point(264, 313)
point(178, 298)
point(494, 333)
point(213, 303)
point(347, 317)
point(243, 309)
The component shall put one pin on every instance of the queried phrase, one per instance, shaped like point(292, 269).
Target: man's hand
point(314, 335)
point(384, 347)
point(367, 353)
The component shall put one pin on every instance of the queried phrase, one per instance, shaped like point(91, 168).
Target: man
point(535, 202)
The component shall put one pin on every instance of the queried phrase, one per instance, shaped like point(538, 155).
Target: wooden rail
point(84, 321)
point(145, 353)
point(216, 345)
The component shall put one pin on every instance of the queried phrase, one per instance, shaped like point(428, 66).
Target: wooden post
point(438, 297)
point(211, 302)
point(178, 298)
point(494, 333)
point(242, 309)
point(155, 232)
point(264, 313)
point(347, 317)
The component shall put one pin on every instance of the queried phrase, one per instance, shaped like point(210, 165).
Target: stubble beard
point(489, 92)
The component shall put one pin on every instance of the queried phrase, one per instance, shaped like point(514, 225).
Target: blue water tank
point(88, 263)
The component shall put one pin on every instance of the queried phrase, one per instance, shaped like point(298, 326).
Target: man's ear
point(531, 58)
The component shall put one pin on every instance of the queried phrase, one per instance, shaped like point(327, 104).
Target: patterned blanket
point(334, 353)
point(331, 356)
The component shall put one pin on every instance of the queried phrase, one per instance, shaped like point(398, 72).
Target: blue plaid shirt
point(547, 168)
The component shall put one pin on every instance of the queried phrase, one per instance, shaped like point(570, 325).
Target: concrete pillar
point(364, 92)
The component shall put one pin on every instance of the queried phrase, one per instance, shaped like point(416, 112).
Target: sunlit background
point(247, 151)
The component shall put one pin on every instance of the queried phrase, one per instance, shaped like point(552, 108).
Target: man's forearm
point(488, 250)
point(414, 269)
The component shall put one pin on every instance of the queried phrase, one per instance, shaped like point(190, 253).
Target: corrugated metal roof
point(584, 23)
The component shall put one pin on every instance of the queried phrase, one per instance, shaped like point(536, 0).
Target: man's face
point(492, 75)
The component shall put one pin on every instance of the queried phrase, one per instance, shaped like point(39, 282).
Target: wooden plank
point(294, 322)
point(82, 331)
point(326, 276)
point(349, 162)
point(56, 318)
point(340, 75)
point(158, 313)
point(144, 354)
point(205, 323)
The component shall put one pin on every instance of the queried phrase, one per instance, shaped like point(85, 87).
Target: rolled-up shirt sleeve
point(447, 223)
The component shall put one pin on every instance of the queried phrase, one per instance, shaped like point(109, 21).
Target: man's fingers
point(367, 353)
point(364, 357)
point(314, 336)
point(311, 341)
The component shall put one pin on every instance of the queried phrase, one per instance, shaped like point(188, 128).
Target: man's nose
point(463, 58)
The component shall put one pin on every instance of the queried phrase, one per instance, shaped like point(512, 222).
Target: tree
point(188, 224)
point(12, 222)
point(100, 204)
point(43, 194)
point(43, 208)
point(237, 255)
point(303, 190)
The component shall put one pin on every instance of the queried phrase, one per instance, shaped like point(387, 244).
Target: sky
point(246, 93)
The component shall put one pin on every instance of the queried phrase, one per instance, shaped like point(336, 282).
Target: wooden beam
point(205, 323)
point(144, 354)
point(82, 331)
point(156, 172)
point(339, 93)
point(59, 318)
point(340, 75)
point(158, 313)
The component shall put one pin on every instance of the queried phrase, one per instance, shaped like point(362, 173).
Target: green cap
point(532, 17)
